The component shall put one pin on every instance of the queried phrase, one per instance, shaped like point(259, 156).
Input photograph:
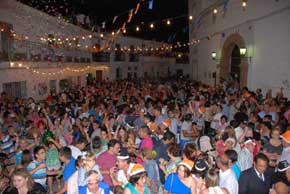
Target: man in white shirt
point(77, 147)
point(120, 174)
point(227, 176)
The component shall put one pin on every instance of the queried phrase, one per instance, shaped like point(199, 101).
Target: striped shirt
point(7, 146)
point(40, 175)
point(245, 159)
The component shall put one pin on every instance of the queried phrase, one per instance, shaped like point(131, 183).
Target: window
point(15, 89)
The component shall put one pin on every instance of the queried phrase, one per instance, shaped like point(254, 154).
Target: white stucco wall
point(264, 26)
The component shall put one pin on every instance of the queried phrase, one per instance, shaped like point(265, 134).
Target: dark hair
point(224, 117)
point(187, 172)
point(232, 155)
point(37, 149)
point(26, 157)
point(79, 140)
point(96, 142)
point(267, 124)
point(188, 150)
point(65, 152)
point(174, 150)
point(168, 135)
point(112, 143)
point(268, 117)
point(145, 128)
point(261, 156)
point(134, 178)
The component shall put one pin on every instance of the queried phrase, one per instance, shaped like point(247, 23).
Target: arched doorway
point(232, 65)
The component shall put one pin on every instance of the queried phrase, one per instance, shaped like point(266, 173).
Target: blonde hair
point(22, 172)
point(211, 178)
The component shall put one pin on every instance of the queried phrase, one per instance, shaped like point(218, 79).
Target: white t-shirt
point(75, 152)
point(216, 119)
point(72, 184)
point(122, 177)
point(186, 126)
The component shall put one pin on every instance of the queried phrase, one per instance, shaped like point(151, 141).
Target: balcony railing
point(101, 57)
point(120, 56)
point(36, 51)
point(133, 57)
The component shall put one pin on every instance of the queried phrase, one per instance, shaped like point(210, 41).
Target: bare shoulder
point(127, 191)
point(205, 191)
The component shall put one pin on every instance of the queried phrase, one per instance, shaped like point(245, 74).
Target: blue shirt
point(102, 185)
point(236, 170)
point(69, 169)
point(40, 175)
point(174, 185)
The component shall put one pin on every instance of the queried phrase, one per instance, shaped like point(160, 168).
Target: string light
point(190, 17)
point(124, 31)
point(11, 64)
point(137, 29)
point(151, 25)
point(113, 33)
point(101, 35)
point(168, 22)
point(244, 4)
point(215, 11)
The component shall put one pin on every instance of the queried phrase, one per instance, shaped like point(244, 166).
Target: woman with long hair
point(181, 182)
point(23, 183)
point(170, 166)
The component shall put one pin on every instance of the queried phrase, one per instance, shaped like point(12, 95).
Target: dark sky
point(105, 10)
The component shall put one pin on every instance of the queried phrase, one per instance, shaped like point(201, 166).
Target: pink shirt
point(145, 143)
point(105, 162)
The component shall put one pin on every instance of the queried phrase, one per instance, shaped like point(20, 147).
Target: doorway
point(232, 65)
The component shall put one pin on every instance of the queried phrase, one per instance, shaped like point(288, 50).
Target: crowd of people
point(146, 136)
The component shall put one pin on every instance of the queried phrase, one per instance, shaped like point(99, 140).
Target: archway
point(232, 65)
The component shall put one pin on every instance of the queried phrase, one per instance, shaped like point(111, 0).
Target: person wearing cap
point(181, 182)
point(198, 173)
point(286, 146)
point(137, 181)
point(258, 178)
point(120, 174)
point(246, 156)
point(227, 178)
point(281, 179)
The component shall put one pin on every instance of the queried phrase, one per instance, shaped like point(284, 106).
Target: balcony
point(120, 56)
point(133, 57)
point(101, 57)
point(25, 50)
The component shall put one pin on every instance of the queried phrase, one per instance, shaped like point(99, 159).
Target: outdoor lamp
point(243, 51)
point(213, 55)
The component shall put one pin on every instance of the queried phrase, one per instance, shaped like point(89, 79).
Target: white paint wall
point(265, 27)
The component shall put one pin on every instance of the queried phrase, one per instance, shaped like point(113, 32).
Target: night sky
point(105, 10)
